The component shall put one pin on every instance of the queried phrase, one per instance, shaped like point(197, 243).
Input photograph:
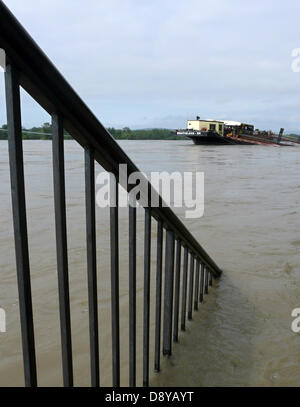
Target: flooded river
point(241, 335)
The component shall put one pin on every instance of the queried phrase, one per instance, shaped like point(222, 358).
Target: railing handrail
point(41, 79)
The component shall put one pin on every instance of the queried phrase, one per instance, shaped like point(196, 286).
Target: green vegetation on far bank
point(35, 133)
point(145, 134)
point(44, 133)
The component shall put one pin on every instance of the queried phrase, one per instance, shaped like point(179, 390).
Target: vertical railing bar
point(177, 290)
point(20, 222)
point(184, 288)
point(115, 311)
point(132, 296)
point(206, 280)
point(147, 260)
point(191, 288)
point(168, 293)
point(158, 295)
point(196, 297)
point(61, 247)
point(201, 283)
point(92, 264)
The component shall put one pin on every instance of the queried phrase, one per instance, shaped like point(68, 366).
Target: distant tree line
point(45, 133)
point(145, 134)
point(35, 133)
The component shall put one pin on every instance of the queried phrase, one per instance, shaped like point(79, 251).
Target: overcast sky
point(156, 63)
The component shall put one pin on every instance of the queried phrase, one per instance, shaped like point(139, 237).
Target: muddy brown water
point(241, 335)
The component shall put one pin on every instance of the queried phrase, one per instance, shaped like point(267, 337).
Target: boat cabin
point(206, 125)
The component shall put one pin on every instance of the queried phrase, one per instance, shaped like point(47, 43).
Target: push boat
point(214, 132)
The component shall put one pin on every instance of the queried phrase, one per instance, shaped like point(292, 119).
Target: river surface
point(241, 335)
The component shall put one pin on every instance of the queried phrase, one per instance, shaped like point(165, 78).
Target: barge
point(213, 132)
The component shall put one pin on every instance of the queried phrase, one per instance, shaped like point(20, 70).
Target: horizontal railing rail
point(27, 66)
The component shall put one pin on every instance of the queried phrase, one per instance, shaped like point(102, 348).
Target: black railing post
point(191, 288)
point(115, 311)
point(61, 246)
point(168, 293)
point(202, 283)
point(184, 288)
point(177, 290)
point(92, 264)
point(132, 296)
point(206, 280)
point(147, 262)
point(158, 295)
point(15, 150)
point(196, 297)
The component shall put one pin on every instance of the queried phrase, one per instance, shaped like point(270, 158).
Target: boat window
point(212, 127)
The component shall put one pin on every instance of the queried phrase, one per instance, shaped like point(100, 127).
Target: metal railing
point(28, 67)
